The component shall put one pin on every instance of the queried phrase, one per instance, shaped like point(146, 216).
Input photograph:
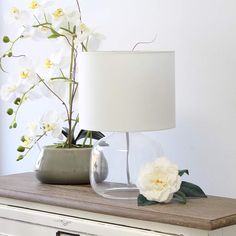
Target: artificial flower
point(64, 17)
point(32, 128)
point(11, 90)
point(54, 75)
point(159, 180)
point(18, 16)
point(51, 123)
point(27, 73)
point(26, 140)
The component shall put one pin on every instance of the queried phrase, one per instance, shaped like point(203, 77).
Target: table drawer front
point(23, 222)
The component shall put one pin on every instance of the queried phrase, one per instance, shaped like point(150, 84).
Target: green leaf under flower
point(142, 201)
point(191, 190)
point(182, 172)
point(180, 197)
point(187, 190)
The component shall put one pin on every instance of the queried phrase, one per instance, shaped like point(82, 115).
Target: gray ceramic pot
point(63, 165)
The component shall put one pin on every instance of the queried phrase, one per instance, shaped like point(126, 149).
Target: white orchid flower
point(33, 132)
point(16, 88)
point(83, 32)
point(51, 122)
point(38, 8)
point(36, 5)
point(92, 38)
point(27, 72)
point(24, 82)
point(94, 41)
point(11, 90)
point(35, 33)
point(62, 17)
point(38, 33)
point(26, 141)
point(52, 70)
point(52, 65)
point(32, 128)
point(18, 16)
point(59, 87)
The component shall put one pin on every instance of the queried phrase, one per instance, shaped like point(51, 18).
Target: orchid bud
point(17, 101)
point(6, 39)
point(19, 158)
point(21, 149)
point(10, 111)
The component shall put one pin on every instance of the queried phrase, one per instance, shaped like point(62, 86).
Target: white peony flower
point(51, 122)
point(159, 180)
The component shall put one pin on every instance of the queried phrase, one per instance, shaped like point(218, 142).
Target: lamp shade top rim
point(127, 52)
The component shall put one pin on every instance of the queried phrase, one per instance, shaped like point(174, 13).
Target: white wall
point(203, 35)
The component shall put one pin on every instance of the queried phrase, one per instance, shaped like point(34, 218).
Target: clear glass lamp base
point(116, 161)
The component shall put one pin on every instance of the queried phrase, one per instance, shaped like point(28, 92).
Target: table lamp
point(126, 93)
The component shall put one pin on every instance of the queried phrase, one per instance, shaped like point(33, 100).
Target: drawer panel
point(23, 222)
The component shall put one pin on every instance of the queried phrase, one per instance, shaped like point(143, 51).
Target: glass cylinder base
point(116, 161)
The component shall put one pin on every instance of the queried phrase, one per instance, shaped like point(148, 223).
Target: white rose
point(159, 180)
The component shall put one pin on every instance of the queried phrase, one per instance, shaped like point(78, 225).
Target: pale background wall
point(203, 35)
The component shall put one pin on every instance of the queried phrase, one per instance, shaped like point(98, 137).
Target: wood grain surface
point(208, 214)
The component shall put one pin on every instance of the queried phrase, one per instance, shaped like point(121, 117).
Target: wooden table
point(25, 201)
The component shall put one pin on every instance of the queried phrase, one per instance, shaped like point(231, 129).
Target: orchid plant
point(54, 76)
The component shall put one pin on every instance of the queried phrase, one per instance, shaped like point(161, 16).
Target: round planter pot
point(63, 165)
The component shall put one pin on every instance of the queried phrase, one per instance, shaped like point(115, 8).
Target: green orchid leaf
point(180, 197)
point(54, 31)
point(65, 132)
point(192, 190)
point(54, 36)
point(142, 201)
point(95, 135)
point(82, 134)
point(182, 172)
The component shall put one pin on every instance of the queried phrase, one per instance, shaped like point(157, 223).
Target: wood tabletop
point(209, 214)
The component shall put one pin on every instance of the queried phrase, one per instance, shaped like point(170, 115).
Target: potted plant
point(55, 77)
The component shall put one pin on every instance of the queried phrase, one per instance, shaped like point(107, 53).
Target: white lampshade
point(126, 91)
